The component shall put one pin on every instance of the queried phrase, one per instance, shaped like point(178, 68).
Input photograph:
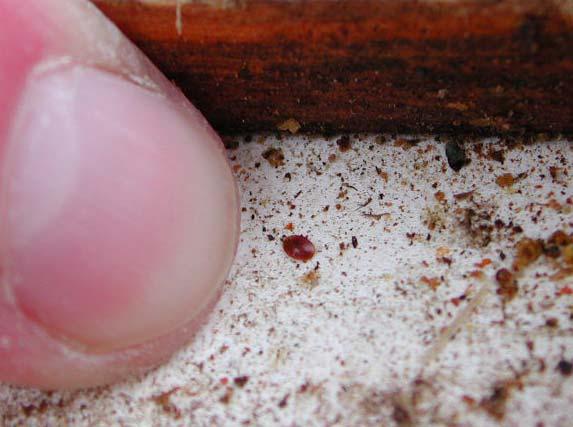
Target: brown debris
point(382, 174)
point(568, 254)
point(507, 285)
point(463, 196)
point(290, 125)
point(506, 180)
point(559, 238)
point(311, 279)
point(401, 415)
point(344, 143)
point(163, 400)
point(241, 381)
point(527, 252)
point(432, 282)
point(476, 221)
point(440, 196)
point(496, 403)
point(275, 157)
point(406, 144)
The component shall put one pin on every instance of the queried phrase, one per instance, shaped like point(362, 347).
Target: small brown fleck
point(290, 125)
point(555, 172)
point(382, 174)
point(432, 282)
point(463, 196)
point(406, 144)
point(527, 252)
point(559, 238)
point(275, 157)
point(310, 279)
point(496, 403)
point(552, 322)
point(507, 285)
point(226, 398)
point(401, 415)
point(284, 401)
point(241, 381)
point(440, 196)
point(568, 254)
point(505, 180)
point(163, 400)
point(497, 155)
point(344, 143)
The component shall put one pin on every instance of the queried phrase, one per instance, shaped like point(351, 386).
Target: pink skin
point(118, 211)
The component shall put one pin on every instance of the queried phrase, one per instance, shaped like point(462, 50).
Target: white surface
point(357, 339)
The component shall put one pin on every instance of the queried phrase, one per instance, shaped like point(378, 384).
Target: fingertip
point(118, 212)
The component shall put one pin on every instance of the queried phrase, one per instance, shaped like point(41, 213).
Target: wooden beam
point(445, 66)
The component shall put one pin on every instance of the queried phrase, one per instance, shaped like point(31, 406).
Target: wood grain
point(457, 66)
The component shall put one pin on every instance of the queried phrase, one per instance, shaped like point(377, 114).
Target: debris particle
point(456, 156)
point(310, 279)
point(506, 180)
point(290, 125)
point(555, 172)
point(559, 238)
point(483, 263)
point(406, 144)
point(226, 398)
point(382, 174)
point(463, 196)
point(401, 416)
point(527, 252)
point(344, 143)
point(432, 282)
point(565, 368)
point(507, 285)
point(284, 401)
point(374, 216)
point(299, 248)
point(241, 381)
point(495, 404)
point(275, 157)
point(497, 155)
point(440, 196)
point(163, 400)
point(476, 222)
point(568, 254)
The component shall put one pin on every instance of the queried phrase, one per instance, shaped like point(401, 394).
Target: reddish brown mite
point(299, 248)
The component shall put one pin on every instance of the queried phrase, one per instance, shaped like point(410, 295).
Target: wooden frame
point(450, 66)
